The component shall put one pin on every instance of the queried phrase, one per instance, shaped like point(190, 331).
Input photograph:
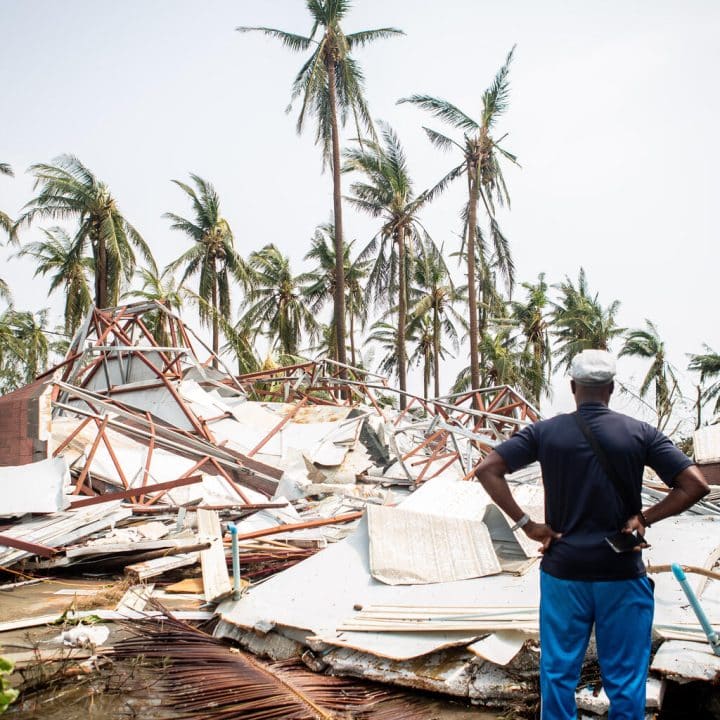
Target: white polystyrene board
point(500, 647)
point(408, 547)
point(686, 660)
point(598, 702)
point(706, 444)
point(688, 540)
point(434, 673)
point(34, 488)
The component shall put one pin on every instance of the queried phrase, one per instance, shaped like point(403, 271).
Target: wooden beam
point(216, 579)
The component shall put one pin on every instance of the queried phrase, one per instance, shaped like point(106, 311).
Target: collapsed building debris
point(378, 558)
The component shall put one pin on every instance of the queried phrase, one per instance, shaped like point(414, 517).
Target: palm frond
point(289, 40)
point(443, 110)
point(234, 684)
point(363, 37)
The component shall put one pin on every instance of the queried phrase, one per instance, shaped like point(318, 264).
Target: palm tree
point(580, 322)
point(275, 304)
point(388, 194)
point(433, 300)
point(68, 189)
point(385, 334)
point(24, 347)
point(708, 365)
point(481, 153)
point(6, 222)
point(532, 319)
point(239, 342)
point(162, 288)
point(506, 364)
point(57, 255)
point(647, 344)
point(319, 283)
point(331, 81)
point(212, 255)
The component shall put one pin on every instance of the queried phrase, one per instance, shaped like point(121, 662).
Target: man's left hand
point(635, 524)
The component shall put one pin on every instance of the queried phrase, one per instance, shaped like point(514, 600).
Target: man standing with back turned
point(592, 465)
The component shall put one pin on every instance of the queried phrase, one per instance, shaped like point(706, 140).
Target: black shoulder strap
point(632, 505)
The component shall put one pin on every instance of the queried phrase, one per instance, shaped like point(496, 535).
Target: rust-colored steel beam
point(34, 548)
point(232, 483)
point(278, 427)
point(263, 374)
point(70, 437)
point(429, 439)
point(134, 492)
point(349, 517)
point(81, 480)
point(113, 457)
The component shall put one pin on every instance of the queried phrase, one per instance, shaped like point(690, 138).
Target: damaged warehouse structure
point(365, 549)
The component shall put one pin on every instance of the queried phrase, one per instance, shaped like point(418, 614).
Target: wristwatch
point(521, 523)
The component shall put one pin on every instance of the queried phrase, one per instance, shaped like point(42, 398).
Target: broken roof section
point(141, 412)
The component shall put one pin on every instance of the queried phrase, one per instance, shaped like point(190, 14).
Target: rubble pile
point(363, 548)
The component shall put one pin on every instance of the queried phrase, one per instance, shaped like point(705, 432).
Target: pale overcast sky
point(613, 116)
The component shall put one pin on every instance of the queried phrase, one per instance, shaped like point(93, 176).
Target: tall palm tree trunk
point(337, 211)
point(436, 348)
point(101, 271)
point(426, 373)
point(402, 313)
point(353, 360)
point(472, 291)
point(215, 324)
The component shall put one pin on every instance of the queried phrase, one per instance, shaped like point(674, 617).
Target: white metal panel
point(408, 548)
point(33, 488)
point(686, 660)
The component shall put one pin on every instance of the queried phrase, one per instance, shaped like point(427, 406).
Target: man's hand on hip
point(542, 533)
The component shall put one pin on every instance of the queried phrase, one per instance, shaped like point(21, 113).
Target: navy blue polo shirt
point(580, 499)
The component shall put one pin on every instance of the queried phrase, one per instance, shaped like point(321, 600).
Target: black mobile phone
point(622, 542)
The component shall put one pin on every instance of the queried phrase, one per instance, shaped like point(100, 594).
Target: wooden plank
point(135, 598)
point(103, 615)
point(216, 579)
point(189, 585)
point(161, 565)
point(38, 656)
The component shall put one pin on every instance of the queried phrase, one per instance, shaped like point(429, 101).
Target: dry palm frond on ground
point(205, 678)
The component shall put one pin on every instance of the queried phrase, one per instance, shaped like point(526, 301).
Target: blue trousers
point(622, 612)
